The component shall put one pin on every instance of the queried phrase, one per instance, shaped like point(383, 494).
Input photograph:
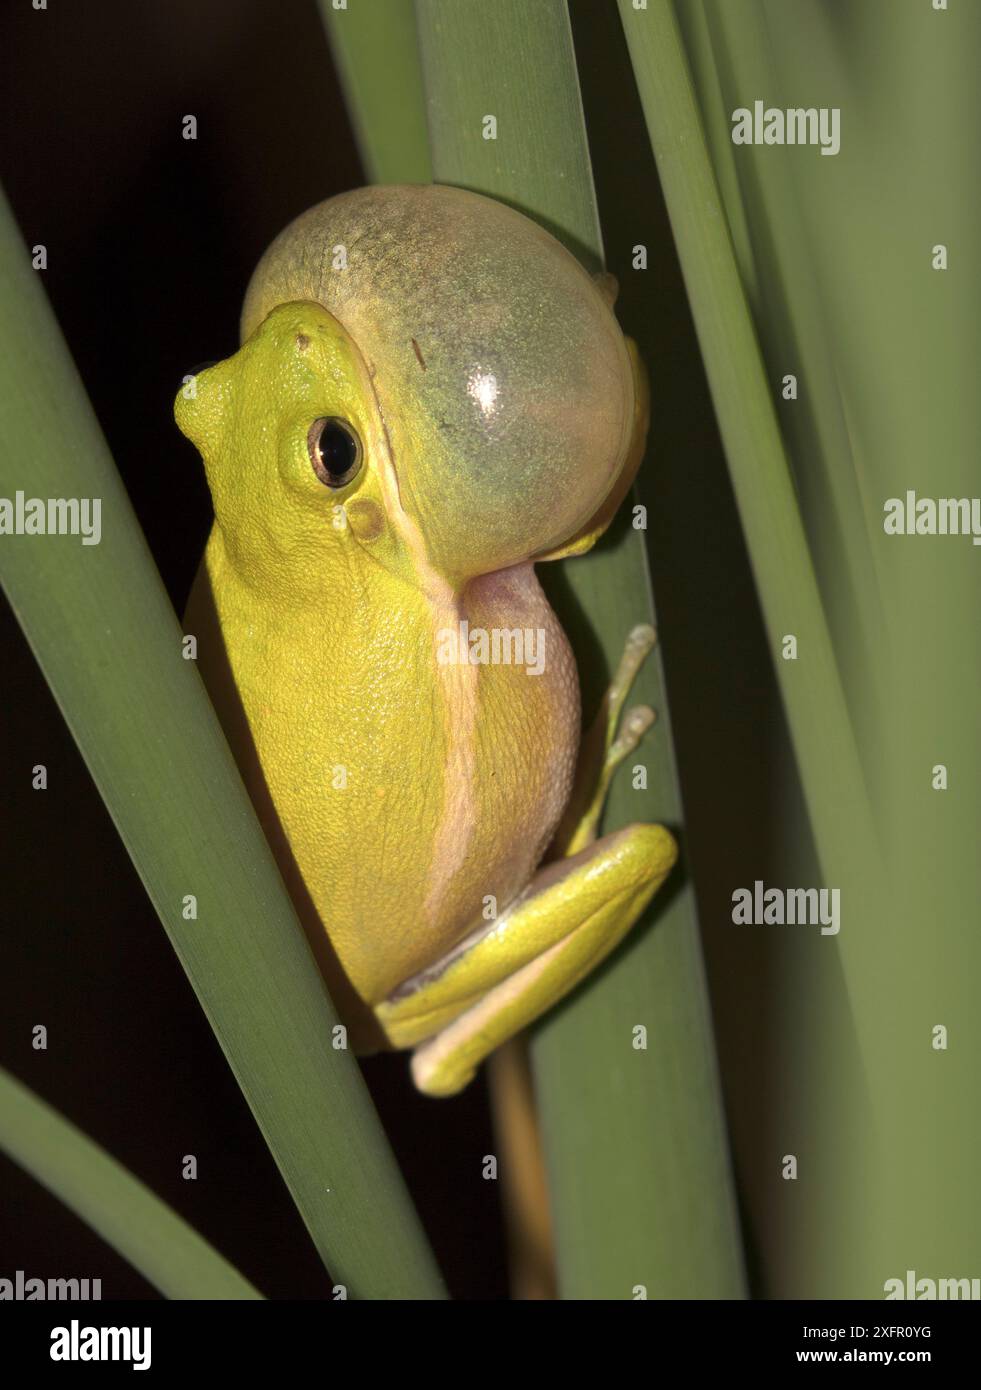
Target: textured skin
point(575, 913)
point(318, 611)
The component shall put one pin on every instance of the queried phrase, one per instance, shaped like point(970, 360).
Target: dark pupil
point(338, 450)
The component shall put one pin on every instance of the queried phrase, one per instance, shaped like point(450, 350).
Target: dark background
point(151, 240)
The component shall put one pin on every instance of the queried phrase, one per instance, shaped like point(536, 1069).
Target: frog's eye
point(335, 451)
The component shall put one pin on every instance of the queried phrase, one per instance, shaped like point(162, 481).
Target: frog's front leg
point(573, 913)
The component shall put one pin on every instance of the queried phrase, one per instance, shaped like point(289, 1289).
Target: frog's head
point(295, 452)
point(425, 373)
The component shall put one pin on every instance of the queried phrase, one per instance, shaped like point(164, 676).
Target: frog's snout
point(195, 407)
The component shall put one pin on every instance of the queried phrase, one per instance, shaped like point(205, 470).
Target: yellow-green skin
point(494, 397)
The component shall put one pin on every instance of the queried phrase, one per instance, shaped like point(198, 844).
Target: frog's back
point(401, 777)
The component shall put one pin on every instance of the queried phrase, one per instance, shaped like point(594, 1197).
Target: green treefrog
point(432, 396)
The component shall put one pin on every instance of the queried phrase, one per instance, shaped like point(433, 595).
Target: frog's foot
point(497, 981)
point(613, 736)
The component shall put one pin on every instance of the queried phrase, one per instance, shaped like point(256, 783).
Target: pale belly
point(405, 797)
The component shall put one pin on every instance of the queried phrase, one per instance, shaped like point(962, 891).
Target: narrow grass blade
point(100, 625)
point(760, 472)
point(832, 776)
point(840, 259)
point(635, 1139)
point(375, 51)
point(730, 52)
point(144, 1230)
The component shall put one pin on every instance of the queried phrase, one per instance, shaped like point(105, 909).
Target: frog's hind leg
point(574, 912)
point(576, 909)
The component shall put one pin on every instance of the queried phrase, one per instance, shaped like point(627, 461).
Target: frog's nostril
point(203, 367)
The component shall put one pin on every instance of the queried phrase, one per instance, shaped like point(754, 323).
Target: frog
point(431, 397)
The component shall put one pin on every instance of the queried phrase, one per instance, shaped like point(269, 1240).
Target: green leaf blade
point(103, 631)
point(143, 1229)
point(635, 1140)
